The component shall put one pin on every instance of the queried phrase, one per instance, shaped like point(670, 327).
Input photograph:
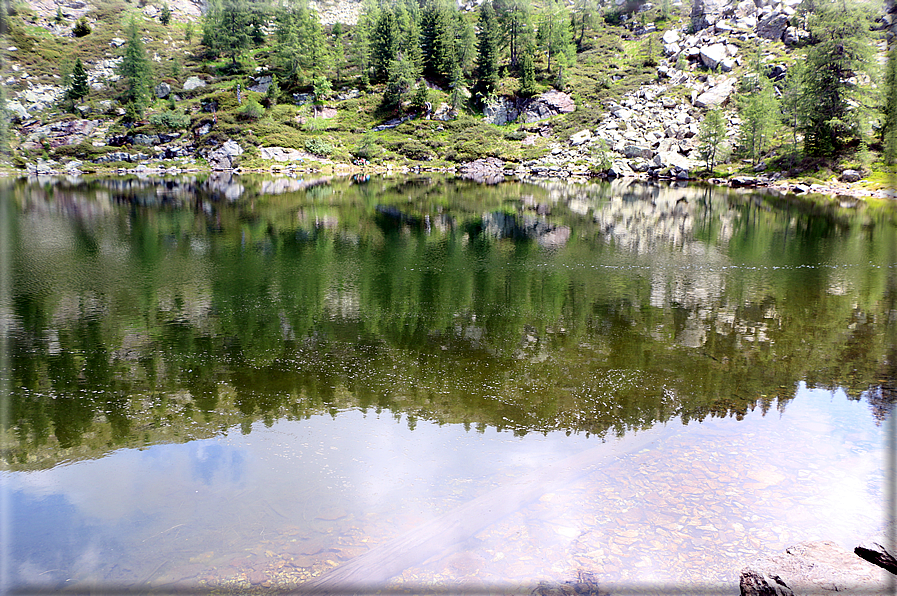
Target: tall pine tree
point(555, 37)
point(231, 27)
point(889, 129)
point(78, 87)
point(487, 47)
point(384, 45)
point(838, 56)
point(136, 72)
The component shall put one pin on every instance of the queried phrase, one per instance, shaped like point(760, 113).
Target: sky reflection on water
point(721, 493)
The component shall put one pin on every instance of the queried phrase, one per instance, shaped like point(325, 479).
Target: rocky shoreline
point(487, 171)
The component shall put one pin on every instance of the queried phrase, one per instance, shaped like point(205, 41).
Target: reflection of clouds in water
point(129, 481)
point(46, 537)
point(207, 460)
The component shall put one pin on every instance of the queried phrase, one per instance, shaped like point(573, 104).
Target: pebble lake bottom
point(281, 505)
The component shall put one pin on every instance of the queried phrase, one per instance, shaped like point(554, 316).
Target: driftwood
point(877, 555)
point(368, 572)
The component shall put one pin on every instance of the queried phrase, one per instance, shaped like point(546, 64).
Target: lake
point(417, 384)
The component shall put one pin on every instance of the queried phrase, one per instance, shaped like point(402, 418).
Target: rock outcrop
point(820, 567)
point(224, 157)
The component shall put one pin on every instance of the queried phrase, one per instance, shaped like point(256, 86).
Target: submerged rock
point(813, 568)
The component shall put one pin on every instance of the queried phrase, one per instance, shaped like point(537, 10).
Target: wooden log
point(368, 572)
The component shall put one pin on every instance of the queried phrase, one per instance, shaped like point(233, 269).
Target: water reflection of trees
point(147, 313)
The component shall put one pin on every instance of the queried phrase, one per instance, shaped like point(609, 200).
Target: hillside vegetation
point(793, 89)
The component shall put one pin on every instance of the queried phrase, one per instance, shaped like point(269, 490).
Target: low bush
point(170, 120)
point(318, 147)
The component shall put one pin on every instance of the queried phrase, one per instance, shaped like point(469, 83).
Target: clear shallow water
point(225, 394)
point(688, 509)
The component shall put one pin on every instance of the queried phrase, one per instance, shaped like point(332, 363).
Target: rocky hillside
point(641, 120)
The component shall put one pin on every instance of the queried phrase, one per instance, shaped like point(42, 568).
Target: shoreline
point(833, 189)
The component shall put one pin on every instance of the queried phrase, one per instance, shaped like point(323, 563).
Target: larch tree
point(515, 19)
point(231, 27)
point(136, 72)
point(711, 136)
point(554, 36)
point(758, 109)
point(889, 126)
point(838, 59)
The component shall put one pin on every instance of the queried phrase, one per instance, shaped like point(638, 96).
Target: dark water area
point(248, 383)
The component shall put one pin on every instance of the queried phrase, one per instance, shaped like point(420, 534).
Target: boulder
point(16, 111)
point(850, 176)
point(670, 36)
point(632, 151)
point(261, 84)
point(717, 95)
point(580, 138)
point(500, 111)
point(282, 154)
point(773, 27)
point(223, 158)
point(671, 49)
point(550, 103)
point(745, 8)
point(705, 13)
point(619, 169)
point(193, 83)
point(742, 181)
point(813, 568)
point(713, 54)
point(162, 90)
point(794, 36)
point(489, 170)
point(444, 113)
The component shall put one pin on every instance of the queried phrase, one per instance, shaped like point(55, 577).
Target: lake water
point(237, 384)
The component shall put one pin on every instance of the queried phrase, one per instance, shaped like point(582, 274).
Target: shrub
point(414, 149)
point(170, 120)
point(81, 28)
point(252, 110)
point(367, 148)
point(165, 17)
point(318, 147)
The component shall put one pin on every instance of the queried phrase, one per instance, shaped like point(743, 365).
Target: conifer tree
point(384, 45)
point(136, 72)
point(837, 57)
point(487, 47)
point(759, 112)
point(300, 46)
point(515, 19)
point(758, 109)
point(437, 41)
point(78, 87)
point(465, 50)
point(527, 75)
point(554, 36)
point(399, 84)
point(585, 15)
point(231, 27)
point(793, 104)
point(711, 135)
point(889, 128)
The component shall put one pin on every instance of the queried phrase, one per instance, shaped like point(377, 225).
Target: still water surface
point(250, 383)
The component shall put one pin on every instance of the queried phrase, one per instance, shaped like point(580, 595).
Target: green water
point(514, 324)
